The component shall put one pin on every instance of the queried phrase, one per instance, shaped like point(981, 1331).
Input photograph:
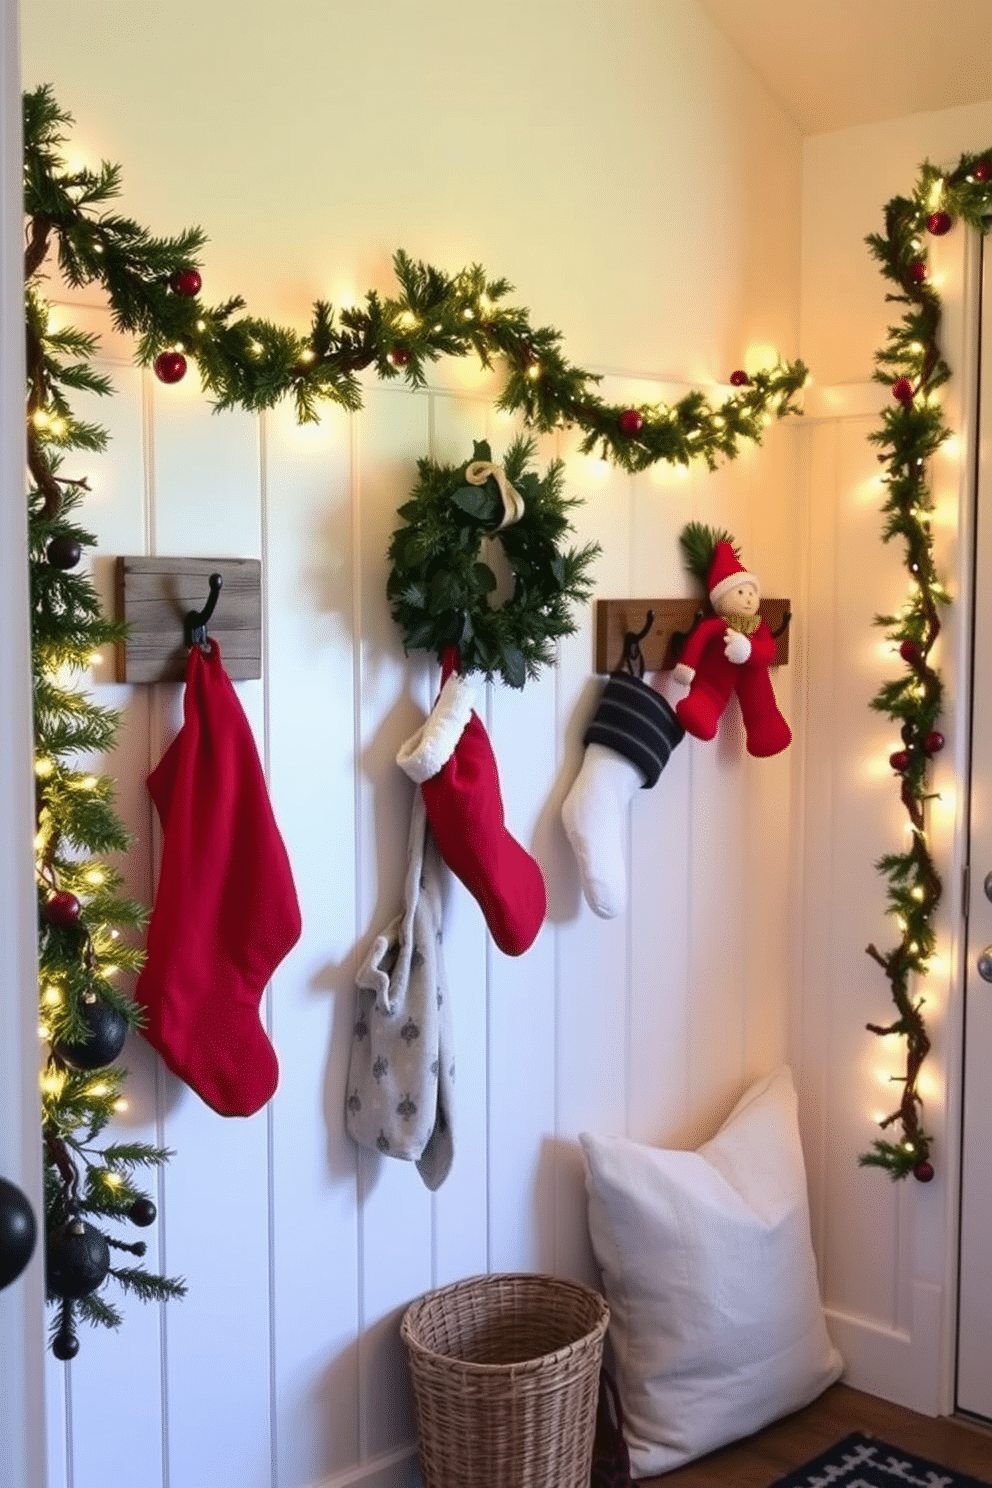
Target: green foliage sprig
point(912, 430)
point(250, 363)
point(439, 585)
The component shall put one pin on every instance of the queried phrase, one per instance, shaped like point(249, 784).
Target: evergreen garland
point(439, 584)
point(912, 429)
point(246, 362)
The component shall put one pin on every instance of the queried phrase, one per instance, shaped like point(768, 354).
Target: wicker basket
point(506, 1378)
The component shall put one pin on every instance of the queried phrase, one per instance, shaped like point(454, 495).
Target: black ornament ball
point(107, 1029)
point(142, 1212)
point(65, 1345)
point(64, 551)
point(18, 1232)
point(78, 1259)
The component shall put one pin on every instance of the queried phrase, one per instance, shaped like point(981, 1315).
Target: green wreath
point(439, 588)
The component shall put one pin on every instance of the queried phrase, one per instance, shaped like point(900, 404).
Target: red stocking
point(226, 912)
point(452, 759)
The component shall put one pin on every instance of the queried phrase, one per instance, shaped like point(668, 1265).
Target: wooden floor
point(786, 1444)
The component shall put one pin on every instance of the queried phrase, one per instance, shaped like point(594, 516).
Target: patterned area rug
point(865, 1462)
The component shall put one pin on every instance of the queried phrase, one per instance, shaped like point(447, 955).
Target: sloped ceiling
point(837, 63)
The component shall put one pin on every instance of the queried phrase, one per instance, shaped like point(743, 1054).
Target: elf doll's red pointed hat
point(726, 573)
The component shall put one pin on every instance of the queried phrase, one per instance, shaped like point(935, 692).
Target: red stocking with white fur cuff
point(452, 760)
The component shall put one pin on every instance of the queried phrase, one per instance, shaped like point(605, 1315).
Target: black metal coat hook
point(195, 623)
point(781, 629)
point(632, 656)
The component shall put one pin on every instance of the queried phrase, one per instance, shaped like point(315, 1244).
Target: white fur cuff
point(683, 674)
point(426, 751)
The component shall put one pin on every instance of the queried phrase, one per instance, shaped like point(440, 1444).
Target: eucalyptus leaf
point(484, 577)
point(514, 667)
point(477, 501)
point(445, 591)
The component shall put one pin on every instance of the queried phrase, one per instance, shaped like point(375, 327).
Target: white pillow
point(715, 1315)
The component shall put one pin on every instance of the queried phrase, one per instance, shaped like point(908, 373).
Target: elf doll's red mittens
point(226, 911)
point(452, 760)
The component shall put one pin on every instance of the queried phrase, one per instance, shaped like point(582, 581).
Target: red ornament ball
point(631, 421)
point(909, 651)
point(902, 390)
point(917, 271)
point(899, 760)
point(186, 282)
point(934, 742)
point(399, 356)
point(982, 170)
point(740, 378)
point(62, 909)
point(923, 1172)
point(939, 223)
point(170, 366)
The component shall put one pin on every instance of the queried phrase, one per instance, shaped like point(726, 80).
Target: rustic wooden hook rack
point(156, 595)
point(616, 618)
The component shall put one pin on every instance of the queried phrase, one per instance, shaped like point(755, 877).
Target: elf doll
point(731, 652)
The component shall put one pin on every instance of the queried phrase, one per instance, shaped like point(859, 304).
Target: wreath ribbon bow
point(479, 471)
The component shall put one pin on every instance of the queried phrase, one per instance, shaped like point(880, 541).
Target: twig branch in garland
point(250, 363)
point(912, 430)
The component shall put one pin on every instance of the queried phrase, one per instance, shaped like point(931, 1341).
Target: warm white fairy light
point(44, 767)
point(534, 372)
point(95, 876)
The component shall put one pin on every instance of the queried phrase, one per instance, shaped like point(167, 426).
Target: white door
point(974, 1374)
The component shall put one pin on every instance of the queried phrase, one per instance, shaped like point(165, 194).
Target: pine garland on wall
point(87, 926)
point(912, 430)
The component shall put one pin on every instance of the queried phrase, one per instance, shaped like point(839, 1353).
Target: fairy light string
point(912, 430)
point(153, 287)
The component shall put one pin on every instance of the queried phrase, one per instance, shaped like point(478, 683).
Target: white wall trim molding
point(844, 400)
point(391, 1470)
point(886, 1361)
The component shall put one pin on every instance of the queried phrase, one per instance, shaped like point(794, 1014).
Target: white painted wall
point(623, 169)
point(887, 1251)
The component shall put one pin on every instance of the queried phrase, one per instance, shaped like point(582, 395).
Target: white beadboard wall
point(283, 1365)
